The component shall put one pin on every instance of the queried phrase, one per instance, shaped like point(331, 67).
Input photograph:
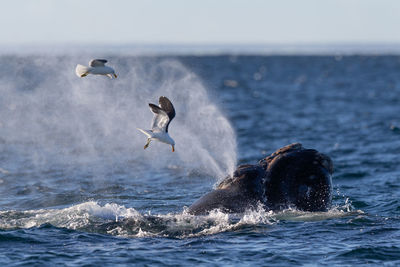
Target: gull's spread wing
point(160, 118)
point(97, 62)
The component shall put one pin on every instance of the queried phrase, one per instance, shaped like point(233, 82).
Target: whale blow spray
point(50, 116)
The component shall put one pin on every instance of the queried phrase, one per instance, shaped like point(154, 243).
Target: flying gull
point(163, 115)
point(97, 67)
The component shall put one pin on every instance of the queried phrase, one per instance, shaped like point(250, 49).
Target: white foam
point(118, 220)
point(74, 217)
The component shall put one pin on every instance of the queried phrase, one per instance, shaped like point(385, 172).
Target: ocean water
point(78, 189)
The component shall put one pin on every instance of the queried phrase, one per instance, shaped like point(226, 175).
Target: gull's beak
point(173, 149)
point(115, 75)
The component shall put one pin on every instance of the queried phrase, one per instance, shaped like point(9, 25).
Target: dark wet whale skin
point(290, 177)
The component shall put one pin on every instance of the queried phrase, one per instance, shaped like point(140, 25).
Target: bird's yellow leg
point(84, 75)
point(173, 148)
point(147, 143)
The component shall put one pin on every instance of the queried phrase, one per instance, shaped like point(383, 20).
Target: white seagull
point(97, 67)
point(163, 115)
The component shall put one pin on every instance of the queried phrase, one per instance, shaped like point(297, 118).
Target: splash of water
point(118, 220)
point(51, 116)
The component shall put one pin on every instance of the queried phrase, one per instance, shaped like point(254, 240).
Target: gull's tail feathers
point(148, 133)
point(81, 70)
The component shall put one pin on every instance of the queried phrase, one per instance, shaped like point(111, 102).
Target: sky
point(233, 22)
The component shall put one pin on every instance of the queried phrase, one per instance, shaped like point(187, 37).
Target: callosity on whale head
point(298, 177)
point(290, 177)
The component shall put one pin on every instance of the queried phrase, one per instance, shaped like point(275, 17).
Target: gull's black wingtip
point(156, 109)
point(163, 98)
point(167, 106)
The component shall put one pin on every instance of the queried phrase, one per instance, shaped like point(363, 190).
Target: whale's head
point(292, 176)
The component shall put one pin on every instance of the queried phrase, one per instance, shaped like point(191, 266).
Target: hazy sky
point(199, 22)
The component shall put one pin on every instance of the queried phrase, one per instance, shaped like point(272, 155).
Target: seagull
point(163, 115)
point(96, 66)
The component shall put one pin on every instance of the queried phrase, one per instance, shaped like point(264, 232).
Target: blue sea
point(78, 189)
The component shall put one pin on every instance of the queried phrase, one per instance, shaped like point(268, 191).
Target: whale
point(291, 177)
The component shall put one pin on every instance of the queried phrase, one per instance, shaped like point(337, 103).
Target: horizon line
point(154, 49)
